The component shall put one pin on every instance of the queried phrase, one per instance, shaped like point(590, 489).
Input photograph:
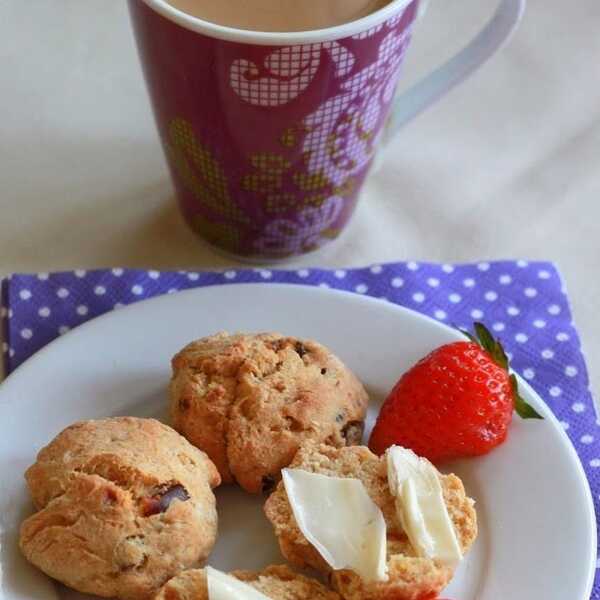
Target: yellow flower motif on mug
point(270, 169)
point(200, 172)
point(282, 188)
point(224, 235)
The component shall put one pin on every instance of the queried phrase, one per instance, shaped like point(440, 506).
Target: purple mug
point(269, 136)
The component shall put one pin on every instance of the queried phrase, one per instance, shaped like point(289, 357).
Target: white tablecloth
point(507, 166)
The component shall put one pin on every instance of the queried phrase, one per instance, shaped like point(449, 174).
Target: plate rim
point(567, 445)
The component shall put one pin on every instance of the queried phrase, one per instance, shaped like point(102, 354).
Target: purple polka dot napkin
point(524, 303)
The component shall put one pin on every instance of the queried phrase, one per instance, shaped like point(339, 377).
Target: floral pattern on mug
point(282, 187)
point(308, 230)
point(286, 73)
point(344, 130)
point(200, 172)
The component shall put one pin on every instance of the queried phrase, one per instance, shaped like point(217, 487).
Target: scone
point(124, 505)
point(250, 401)
point(277, 582)
point(410, 577)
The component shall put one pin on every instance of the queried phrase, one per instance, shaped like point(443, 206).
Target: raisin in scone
point(278, 582)
point(250, 401)
point(124, 504)
point(410, 577)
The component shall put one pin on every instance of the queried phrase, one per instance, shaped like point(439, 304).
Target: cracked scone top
point(410, 577)
point(250, 401)
point(124, 504)
point(277, 581)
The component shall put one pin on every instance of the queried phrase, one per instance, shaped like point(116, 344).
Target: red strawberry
point(454, 403)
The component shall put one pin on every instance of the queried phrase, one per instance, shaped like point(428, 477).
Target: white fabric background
point(507, 166)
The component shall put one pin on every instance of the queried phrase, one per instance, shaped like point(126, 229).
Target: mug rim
point(273, 38)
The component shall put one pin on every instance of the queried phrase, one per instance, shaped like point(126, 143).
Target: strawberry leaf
point(494, 348)
point(523, 408)
point(486, 339)
point(491, 345)
point(469, 335)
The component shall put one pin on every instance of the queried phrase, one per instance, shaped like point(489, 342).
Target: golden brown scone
point(124, 505)
point(410, 577)
point(250, 401)
point(277, 581)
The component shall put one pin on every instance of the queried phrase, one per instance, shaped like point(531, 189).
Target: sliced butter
point(421, 507)
point(338, 517)
point(225, 587)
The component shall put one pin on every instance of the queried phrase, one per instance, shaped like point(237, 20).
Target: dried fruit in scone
point(277, 581)
point(410, 574)
point(250, 401)
point(124, 504)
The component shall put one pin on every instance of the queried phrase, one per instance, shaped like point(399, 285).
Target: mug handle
point(437, 84)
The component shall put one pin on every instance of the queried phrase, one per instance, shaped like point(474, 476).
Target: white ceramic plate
point(536, 517)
